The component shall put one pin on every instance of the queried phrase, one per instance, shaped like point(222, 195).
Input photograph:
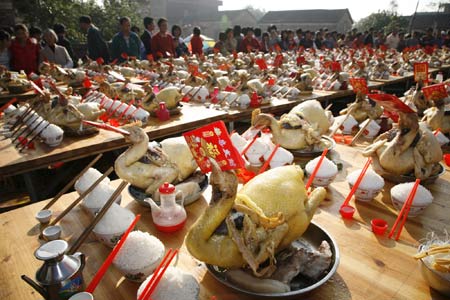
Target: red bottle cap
point(379, 226)
point(167, 188)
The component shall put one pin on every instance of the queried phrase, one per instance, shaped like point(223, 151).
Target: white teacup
point(371, 130)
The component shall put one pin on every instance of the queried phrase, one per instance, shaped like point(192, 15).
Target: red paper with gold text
point(213, 141)
point(435, 91)
point(421, 71)
point(359, 85)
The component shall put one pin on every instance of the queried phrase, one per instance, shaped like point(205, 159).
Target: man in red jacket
point(249, 43)
point(162, 42)
point(24, 51)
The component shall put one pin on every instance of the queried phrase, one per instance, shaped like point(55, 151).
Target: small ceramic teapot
point(170, 216)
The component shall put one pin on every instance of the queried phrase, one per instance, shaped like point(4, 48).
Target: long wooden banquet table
point(193, 115)
point(371, 267)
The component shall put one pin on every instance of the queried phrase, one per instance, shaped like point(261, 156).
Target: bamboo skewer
point(97, 218)
point(347, 115)
point(72, 182)
point(81, 197)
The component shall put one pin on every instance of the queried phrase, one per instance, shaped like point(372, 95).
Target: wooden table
point(12, 162)
point(371, 267)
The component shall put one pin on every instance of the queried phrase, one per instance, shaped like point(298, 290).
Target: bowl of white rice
point(96, 199)
point(87, 179)
point(326, 173)
point(52, 135)
point(422, 199)
point(370, 186)
point(113, 224)
point(175, 284)
point(139, 256)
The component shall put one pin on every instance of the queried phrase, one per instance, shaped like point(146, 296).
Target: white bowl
point(365, 195)
point(418, 206)
point(109, 239)
point(323, 181)
point(44, 216)
point(139, 275)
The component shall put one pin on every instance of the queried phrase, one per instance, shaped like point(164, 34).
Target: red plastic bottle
point(163, 113)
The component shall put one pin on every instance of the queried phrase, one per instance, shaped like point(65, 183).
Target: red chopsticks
point(249, 145)
point(269, 159)
point(404, 211)
point(110, 258)
point(316, 169)
point(358, 181)
point(157, 275)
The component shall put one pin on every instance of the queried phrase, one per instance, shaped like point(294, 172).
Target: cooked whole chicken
point(302, 127)
point(363, 109)
point(148, 168)
point(250, 227)
point(410, 148)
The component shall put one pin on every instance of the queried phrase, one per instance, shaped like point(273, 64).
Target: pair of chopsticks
point(269, 159)
point(403, 215)
point(157, 275)
point(101, 272)
point(316, 169)
point(97, 218)
point(69, 185)
point(358, 181)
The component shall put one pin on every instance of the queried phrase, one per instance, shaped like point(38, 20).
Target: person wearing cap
point(54, 53)
point(96, 45)
point(24, 51)
point(125, 41)
point(162, 42)
point(146, 37)
point(60, 31)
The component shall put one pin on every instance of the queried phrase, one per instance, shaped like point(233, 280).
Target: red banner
point(213, 141)
point(435, 91)
point(421, 71)
point(391, 103)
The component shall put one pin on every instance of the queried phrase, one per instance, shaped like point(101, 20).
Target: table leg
point(30, 186)
point(231, 126)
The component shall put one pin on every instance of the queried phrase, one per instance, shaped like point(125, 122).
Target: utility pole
point(413, 17)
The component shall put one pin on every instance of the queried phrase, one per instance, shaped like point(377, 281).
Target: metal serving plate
point(328, 141)
point(313, 236)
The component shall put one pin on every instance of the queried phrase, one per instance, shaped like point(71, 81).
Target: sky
point(358, 9)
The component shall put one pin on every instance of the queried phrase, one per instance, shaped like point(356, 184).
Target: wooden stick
point(81, 197)
point(72, 182)
point(347, 115)
point(97, 218)
point(360, 132)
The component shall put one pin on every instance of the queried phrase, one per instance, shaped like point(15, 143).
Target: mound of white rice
point(175, 284)
point(99, 196)
point(116, 220)
point(87, 179)
point(401, 191)
point(140, 250)
point(327, 168)
point(371, 180)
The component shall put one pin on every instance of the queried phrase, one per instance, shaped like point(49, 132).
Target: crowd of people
point(23, 48)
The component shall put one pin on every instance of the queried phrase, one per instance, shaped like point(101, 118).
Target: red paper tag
point(391, 103)
point(213, 141)
point(193, 69)
point(100, 61)
point(335, 66)
point(300, 60)
point(435, 91)
point(421, 71)
point(278, 60)
point(261, 62)
point(359, 85)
